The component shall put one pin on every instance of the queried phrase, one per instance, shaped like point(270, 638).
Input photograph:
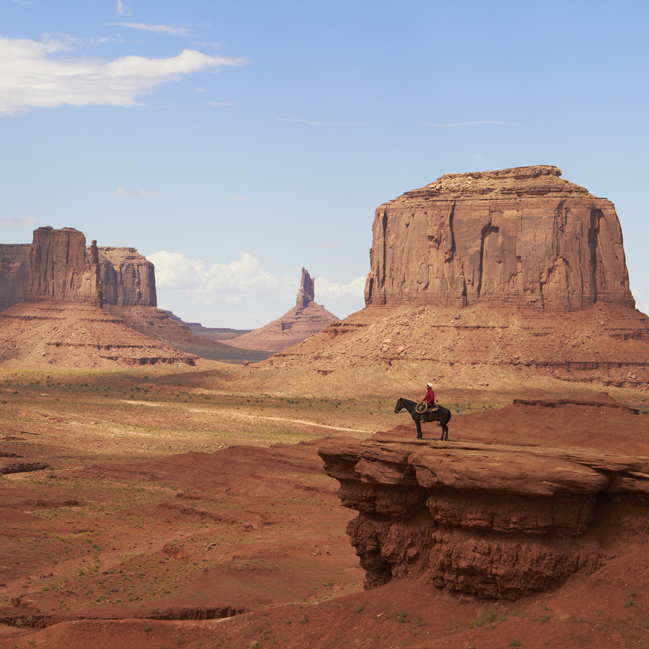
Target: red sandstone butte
point(521, 236)
point(60, 270)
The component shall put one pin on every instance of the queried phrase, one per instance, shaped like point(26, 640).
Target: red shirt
point(430, 397)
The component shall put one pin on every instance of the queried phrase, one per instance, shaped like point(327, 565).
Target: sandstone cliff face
point(128, 278)
point(521, 237)
point(14, 270)
point(301, 322)
point(493, 521)
point(60, 270)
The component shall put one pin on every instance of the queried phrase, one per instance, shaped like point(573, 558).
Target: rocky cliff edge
point(490, 520)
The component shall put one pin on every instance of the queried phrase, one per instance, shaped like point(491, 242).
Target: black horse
point(440, 414)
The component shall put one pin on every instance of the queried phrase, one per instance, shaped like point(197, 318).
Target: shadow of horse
point(441, 414)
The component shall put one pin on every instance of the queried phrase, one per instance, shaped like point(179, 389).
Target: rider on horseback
point(427, 404)
point(430, 396)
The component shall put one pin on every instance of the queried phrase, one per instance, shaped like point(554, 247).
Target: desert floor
point(158, 508)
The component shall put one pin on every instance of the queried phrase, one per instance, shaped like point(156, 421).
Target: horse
point(441, 414)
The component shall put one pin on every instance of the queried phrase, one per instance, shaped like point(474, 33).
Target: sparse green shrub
point(486, 617)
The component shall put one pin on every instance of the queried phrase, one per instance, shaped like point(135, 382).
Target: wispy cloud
point(456, 124)
point(23, 221)
point(160, 29)
point(120, 9)
point(30, 77)
point(308, 121)
point(122, 191)
point(218, 104)
point(237, 197)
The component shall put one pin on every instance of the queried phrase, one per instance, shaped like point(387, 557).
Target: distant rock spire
point(306, 292)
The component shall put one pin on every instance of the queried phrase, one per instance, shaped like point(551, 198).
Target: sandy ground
point(165, 500)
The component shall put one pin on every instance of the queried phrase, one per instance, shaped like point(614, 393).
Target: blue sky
point(235, 142)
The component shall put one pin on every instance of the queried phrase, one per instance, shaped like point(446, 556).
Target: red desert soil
point(103, 552)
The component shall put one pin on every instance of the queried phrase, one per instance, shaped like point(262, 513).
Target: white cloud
point(120, 9)
point(242, 293)
point(326, 290)
point(122, 191)
point(240, 279)
point(21, 222)
point(308, 121)
point(30, 77)
point(160, 29)
point(237, 197)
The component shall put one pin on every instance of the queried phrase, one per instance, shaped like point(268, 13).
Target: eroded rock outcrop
point(60, 270)
point(61, 320)
point(302, 321)
point(14, 270)
point(521, 237)
point(128, 278)
point(488, 279)
point(491, 520)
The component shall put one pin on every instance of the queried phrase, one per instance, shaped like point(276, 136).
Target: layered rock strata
point(302, 321)
point(77, 335)
point(521, 237)
point(494, 521)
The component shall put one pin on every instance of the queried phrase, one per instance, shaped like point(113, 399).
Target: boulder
point(513, 237)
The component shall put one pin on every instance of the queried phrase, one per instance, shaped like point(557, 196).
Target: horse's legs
point(444, 432)
point(418, 423)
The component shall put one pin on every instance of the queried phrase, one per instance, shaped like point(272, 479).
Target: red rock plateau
point(488, 279)
point(302, 321)
point(61, 321)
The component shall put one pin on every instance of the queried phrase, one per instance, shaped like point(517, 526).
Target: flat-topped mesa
point(306, 292)
point(513, 237)
point(60, 270)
